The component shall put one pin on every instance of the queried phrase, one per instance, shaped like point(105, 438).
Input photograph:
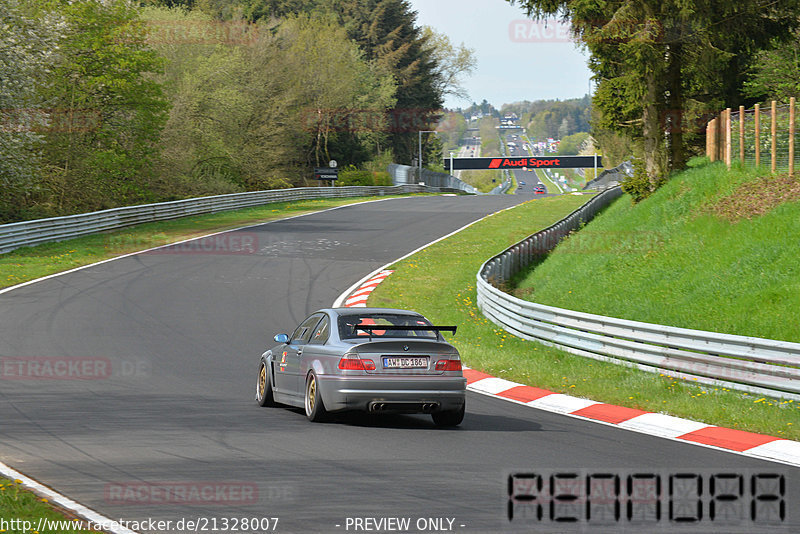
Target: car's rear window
point(348, 328)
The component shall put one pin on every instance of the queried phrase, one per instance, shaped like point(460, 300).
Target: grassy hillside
point(439, 282)
point(712, 250)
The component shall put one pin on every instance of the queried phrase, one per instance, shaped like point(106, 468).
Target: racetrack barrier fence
point(29, 233)
point(757, 365)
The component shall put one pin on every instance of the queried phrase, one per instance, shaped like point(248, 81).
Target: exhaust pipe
point(376, 407)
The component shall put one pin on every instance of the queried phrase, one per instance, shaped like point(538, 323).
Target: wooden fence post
point(774, 126)
point(709, 144)
point(791, 135)
point(711, 140)
point(741, 134)
point(728, 137)
point(758, 134)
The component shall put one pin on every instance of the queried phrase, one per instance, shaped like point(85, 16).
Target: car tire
point(449, 418)
point(264, 396)
point(315, 407)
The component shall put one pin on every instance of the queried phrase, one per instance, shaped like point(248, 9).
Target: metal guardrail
point(762, 366)
point(440, 179)
point(504, 186)
point(405, 174)
point(27, 233)
point(611, 177)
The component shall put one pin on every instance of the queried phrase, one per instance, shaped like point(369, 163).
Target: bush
point(349, 177)
point(639, 186)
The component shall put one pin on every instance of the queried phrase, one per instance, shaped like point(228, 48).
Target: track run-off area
point(155, 418)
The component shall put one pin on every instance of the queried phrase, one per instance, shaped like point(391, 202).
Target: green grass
point(16, 503)
point(28, 263)
point(575, 180)
point(440, 283)
point(548, 183)
point(671, 260)
point(514, 184)
point(482, 179)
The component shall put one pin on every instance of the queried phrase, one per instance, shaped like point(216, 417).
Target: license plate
point(406, 362)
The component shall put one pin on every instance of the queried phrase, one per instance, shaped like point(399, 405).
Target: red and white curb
point(655, 424)
point(358, 298)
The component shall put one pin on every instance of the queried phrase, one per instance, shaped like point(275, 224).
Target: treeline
point(552, 118)
point(109, 103)
point(484, 108)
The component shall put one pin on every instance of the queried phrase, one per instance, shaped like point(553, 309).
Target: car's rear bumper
point(393, 394)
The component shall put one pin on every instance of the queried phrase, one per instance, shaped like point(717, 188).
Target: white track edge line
point(61, 273)
point(340, 300)
point(109, 525)
point(61, 500)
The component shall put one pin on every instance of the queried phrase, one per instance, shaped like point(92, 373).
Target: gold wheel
point(262, 381)
point(311, 395)
point(315, 407)
point(264, 395)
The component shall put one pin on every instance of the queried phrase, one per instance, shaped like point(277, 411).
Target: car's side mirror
point(281, 338)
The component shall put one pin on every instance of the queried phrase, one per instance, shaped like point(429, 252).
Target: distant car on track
point(521, 183)
point(540, 189)
point(378, 360)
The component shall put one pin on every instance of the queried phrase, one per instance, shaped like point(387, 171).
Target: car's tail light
point(448, 365)
point(351, 362)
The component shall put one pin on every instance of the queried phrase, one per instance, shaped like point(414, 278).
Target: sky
point(518, 59)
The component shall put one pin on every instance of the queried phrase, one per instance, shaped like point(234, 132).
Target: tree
point(572, 145)
point(28, 47)
point(338, 96)
point(104, 76)
point(775, 73)
point(451, 62)
point(453, 128)
point(258, 113)
point(386, 31)
point(654, 61)
point(425, 66)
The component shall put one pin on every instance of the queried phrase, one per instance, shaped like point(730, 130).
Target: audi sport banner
point(555, 162)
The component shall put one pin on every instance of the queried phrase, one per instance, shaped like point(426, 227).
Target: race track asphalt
point(156, 418)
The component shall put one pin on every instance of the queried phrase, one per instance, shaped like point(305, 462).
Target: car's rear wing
point(372, 327)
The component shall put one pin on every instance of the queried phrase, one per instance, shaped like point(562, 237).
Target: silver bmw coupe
point(378, 360)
